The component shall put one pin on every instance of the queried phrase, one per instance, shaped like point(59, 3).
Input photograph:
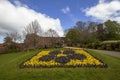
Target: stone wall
point(32, 42)
point(8, 47)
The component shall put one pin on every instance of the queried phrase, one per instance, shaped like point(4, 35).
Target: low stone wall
point(8, 47)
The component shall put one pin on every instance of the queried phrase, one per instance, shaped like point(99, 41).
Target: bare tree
point(52, 33)
point(33, 28)
point(92, 27)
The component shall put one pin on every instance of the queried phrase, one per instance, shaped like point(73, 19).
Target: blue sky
point(58, 15)
point(53, 8)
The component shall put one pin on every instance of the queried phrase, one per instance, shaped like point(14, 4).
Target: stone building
point(34, 41)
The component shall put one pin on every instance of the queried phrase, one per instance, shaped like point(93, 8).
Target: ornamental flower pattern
point(63, 58)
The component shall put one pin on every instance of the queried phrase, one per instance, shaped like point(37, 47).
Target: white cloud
point(101, 1)
point(65, 10)
point(68, 12)
point(18, 4)
point(16, 17)
point(104, 10)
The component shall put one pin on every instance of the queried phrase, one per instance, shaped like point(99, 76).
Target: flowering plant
point(64, 58)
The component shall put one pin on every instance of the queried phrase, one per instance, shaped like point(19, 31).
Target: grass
point(9, 69)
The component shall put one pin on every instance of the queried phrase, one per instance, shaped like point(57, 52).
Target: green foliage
point(112, 30)
point(7, 39)
point(87, 33)
point(73, 36)
point(114, 46)
point(100, 32)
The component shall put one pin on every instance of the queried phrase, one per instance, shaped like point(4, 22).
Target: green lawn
point(9, 69)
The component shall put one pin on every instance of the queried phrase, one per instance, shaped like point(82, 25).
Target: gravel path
point(111, 53)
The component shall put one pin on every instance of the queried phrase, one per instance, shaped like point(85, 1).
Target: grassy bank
point(9, 69)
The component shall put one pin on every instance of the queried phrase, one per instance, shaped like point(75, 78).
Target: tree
point(112, 30)
point(52, 33)
point(86, 31)
point(92, 27)
point(92, 32)
point(80, 26)
point(100, 32)
point(92, 35)
point(7, 39)
point(83, 33)
point(53, 36)
point(12, 37)
point(73, 36)
point(33, 30)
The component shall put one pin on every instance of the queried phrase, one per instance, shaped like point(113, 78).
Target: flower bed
point(63, 58)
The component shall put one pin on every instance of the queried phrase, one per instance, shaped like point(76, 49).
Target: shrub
point(110, 45)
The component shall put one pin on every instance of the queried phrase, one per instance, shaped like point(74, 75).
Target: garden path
point(111, 53)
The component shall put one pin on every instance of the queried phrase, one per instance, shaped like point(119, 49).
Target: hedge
point(113, 46)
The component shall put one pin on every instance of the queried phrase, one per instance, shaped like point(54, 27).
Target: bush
point(110, 45)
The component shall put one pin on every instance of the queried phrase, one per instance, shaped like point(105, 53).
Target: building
point(34, 41)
